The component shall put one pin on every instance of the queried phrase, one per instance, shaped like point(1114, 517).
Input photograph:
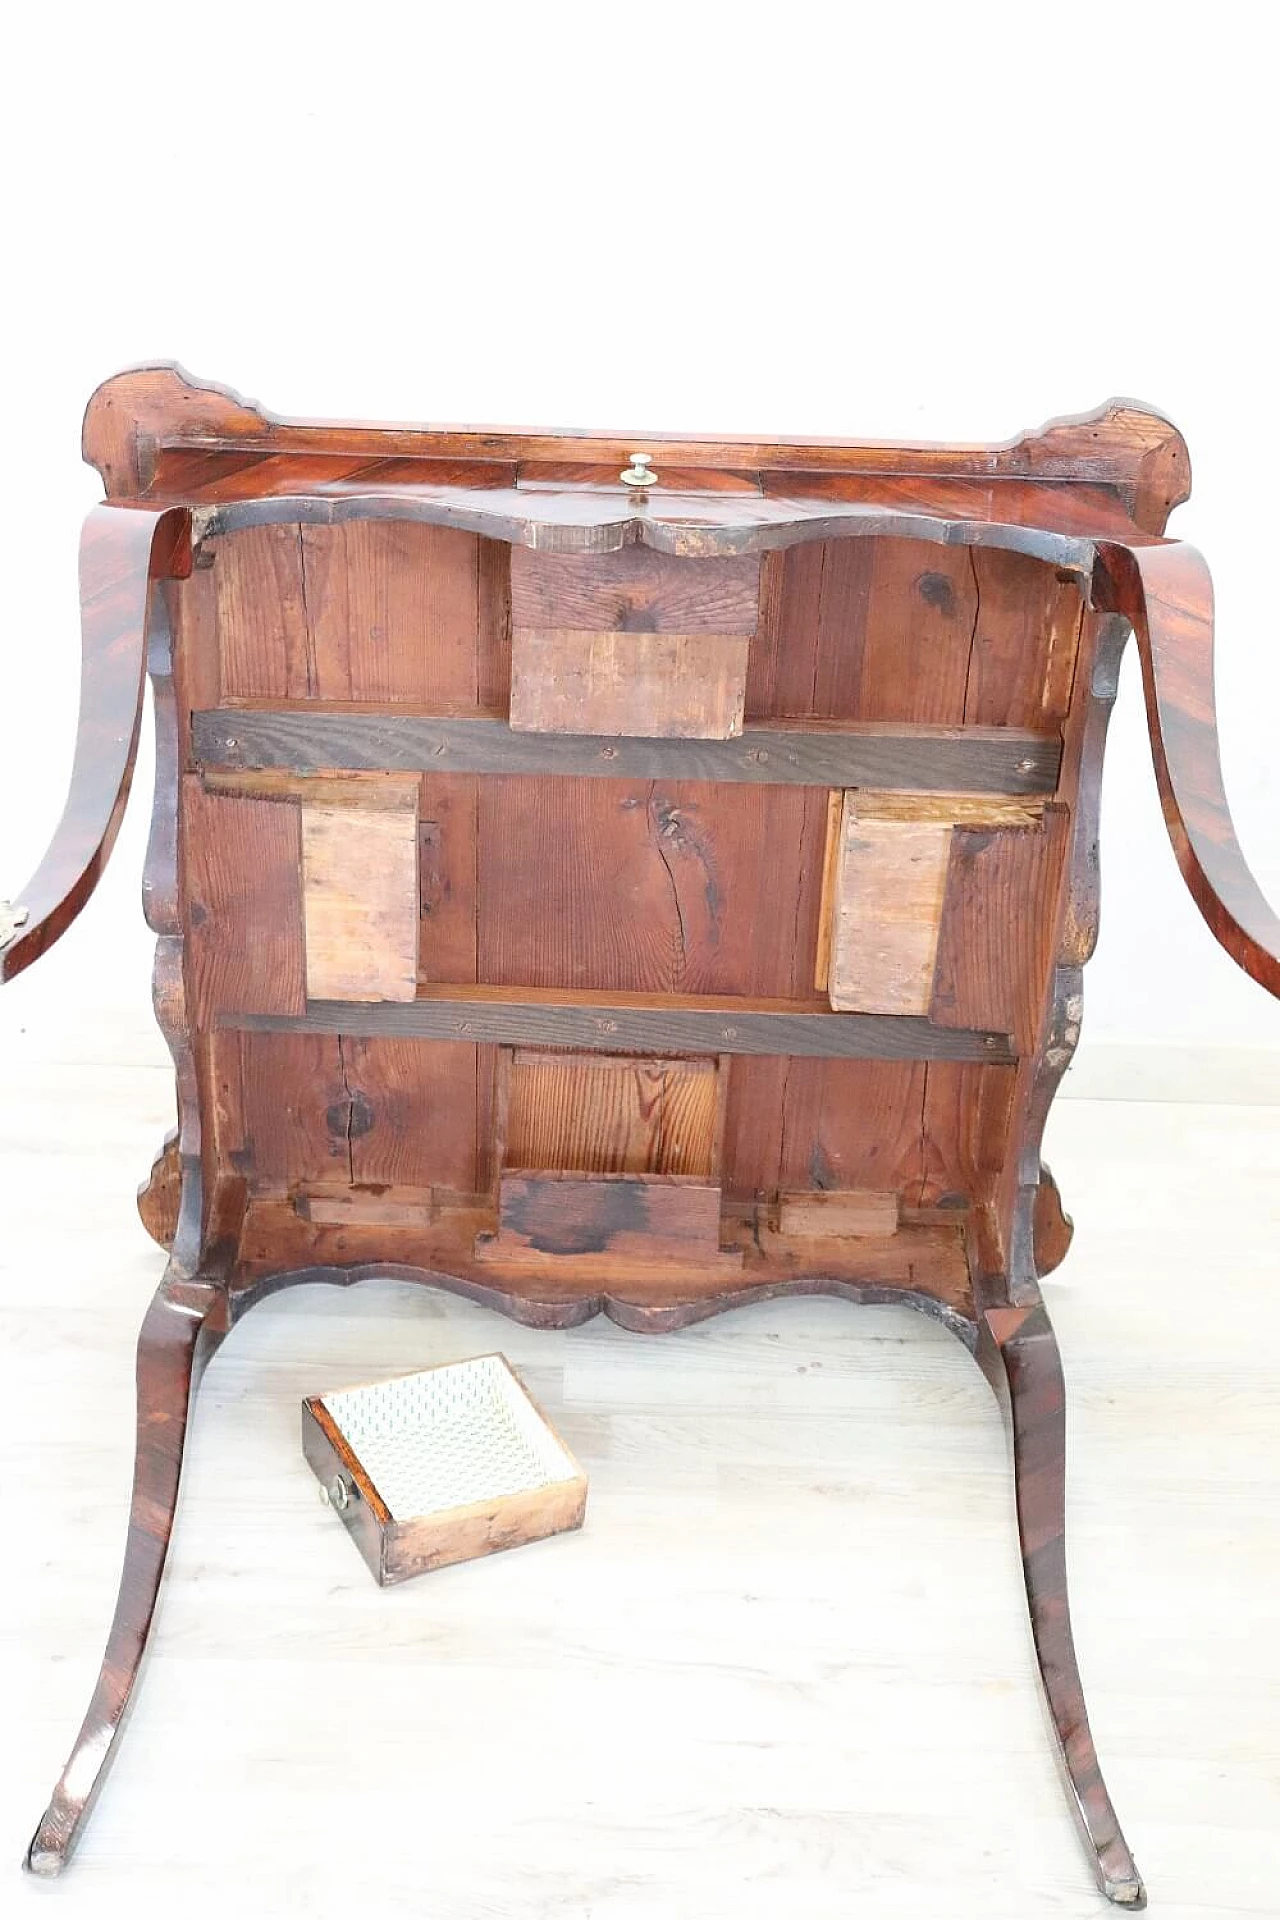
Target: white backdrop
point(893, 222)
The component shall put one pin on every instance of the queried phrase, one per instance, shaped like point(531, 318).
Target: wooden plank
point(637, 1022)
point(648, 887)
point(286, 1114)
point(243, 905)
point(919, 632)
point(819, 1214)
point(493, 628)
point(952, 809)
point(447, 861)
point(1025, 640)
point(576, 891)
point(851, 1124)
point(331, 1111)
point(413, 1113)
point(646, 685)
point(996, 930)
point(783, 667)
point(617, 1217)
point(384, 792)
point(193, 619)
point(265, 646)
point(827, 901)
point(610, 1114)
point(634, 590)
point(866, 629)
point(393, 608)
point(360, 902)
point(366, 1206)
point(877, 754)
point(964, 1135)
point(889, 892)
point(384, 611)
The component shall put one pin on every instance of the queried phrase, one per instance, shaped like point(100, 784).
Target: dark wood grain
point(610, 1221)
point(182, 1329)
point(940, 759)
point(1167, 595)
point(1019, 1353)
point(656, 1023)
point(1021, 1216)
point(122, 551)
point(137, 418)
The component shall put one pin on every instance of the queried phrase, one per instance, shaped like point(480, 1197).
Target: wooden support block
point(826, 1214)
point(648, 685)
point(606, 1222)
point(635, 642)
point(384, 792)
point(635, 590)
point(360, 901)
point(366, 1206)
point(976, 810)
point(890, 882)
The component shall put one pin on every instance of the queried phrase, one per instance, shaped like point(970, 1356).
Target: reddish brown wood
point(182, 1330)
point(994, 944)
point(1019, 1353)
point(244, 903)
point(925, 622)
point(122, 551)
point(138, 418)
point(1167, 595)
point(386, 614)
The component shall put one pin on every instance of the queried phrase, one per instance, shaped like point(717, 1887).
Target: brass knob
point(639, 473)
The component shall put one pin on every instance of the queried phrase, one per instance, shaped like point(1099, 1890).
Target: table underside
point(640, 903)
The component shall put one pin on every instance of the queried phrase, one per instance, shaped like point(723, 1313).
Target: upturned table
point(633, 882)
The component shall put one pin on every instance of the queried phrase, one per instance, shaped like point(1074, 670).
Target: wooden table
point(640, 883)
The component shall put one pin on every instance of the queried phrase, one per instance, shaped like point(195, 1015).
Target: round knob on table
point(639, 473)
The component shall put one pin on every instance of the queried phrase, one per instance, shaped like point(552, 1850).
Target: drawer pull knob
point(639, 473)
point(336, 1495)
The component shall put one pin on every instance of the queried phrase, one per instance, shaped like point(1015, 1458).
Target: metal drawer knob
point(336, 1495)
point(639, 473)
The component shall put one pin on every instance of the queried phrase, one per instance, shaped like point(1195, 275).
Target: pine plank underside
point(670, 904)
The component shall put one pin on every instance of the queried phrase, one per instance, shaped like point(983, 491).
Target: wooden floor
point(784, 1668)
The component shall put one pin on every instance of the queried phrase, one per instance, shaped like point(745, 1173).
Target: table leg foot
point(1019, 1353)
point(181, 1330)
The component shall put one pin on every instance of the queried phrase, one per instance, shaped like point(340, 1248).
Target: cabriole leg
point(1019, 1353)
point(182, 1329)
